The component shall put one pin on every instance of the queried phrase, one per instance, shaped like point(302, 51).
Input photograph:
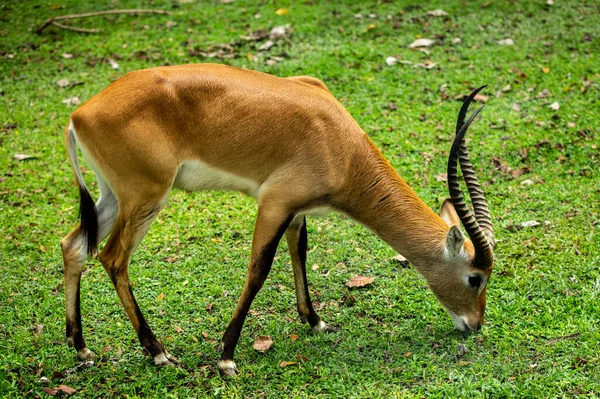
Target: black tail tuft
point(89, 219)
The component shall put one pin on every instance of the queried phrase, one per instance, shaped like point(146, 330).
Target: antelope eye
point(475, 281)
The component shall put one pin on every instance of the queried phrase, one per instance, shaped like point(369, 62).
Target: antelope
point(292, 146)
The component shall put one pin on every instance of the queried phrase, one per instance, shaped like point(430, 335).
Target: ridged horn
point(478, 226)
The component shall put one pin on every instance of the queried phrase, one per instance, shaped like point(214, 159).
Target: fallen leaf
point(227, 1)
point(422, 43)
point(72, 101)
point(550, 2)
point(457, 40)
point(113, 64)
point(178, 329)
point(407, 354)
point(564, 337)
point(437, 13)
point(60, 388)
point(263, 343)
point(266, 45)
point(293, 337)
point(481, 98)
point(57, 375)
point(426, 65)
point(277, 32)
point(391, 60)
point(516, 107)
point(359, 281)
point(441, 177)
point(544, 94)
point(160, 297)
point(546, 70)
point(554, 106)
point(462, 350)
point(285, 364)
point(282, 11)
point(506, 42)
point(62, 83)
point(37, 329)
point(506, 88)
point(527, 182)
point(22, 157)
point(401, 259)
point(67, 56)
point(315, 267)
point(43, 248)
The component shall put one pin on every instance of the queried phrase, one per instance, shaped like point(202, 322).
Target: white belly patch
point(196, 176)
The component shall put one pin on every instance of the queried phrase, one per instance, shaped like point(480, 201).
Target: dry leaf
point(506, 88)
point(391, 60)
point(462, 350)
point(516, 107)
point(72, 101)
point(481, 98)
point(293, 337)
point(62, 83)
point(315, 267)
point(564, 337)
point(67, 56)
point(282, 11)
point(426, 65)
point(546, 70)
point(544, 94)
point(266, 45)
point(554, 106)
point(422, 43)
point(160, 297)
point(437, 13)
point(457, 40)
point(227, 1)
point(263, 343)
point(113, 63)
point(277, 32)
point(60, 388)
point(21, 157)
point(37, 329)
point(285, 364)
point(506, 42)
point(359, 281)
point(43, 248)
point(407, 354)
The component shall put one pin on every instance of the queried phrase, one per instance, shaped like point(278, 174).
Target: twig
point(52, 20)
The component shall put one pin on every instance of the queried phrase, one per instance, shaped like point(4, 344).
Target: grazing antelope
point(286, 142)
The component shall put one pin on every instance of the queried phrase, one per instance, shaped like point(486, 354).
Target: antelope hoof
point(227, 368)
point(85, 354)
point(322, 327)
point(165, 360)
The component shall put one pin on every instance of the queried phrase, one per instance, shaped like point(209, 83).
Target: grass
point(541, 338)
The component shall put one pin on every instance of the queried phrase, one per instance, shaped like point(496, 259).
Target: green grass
point(396, 340)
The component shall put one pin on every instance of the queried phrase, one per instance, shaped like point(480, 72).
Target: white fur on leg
point(227, 367)
point(85, 354)
point(320, 327)
point(161, 360)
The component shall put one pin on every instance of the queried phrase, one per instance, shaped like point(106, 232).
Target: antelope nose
point(478, 327)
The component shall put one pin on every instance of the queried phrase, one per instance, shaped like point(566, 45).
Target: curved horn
point(480, 206)
point(483, 243)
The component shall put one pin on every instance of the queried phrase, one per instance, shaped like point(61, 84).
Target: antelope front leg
point(297, 240)
point(270, 226)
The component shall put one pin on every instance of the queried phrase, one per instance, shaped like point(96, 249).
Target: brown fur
point(289, 135)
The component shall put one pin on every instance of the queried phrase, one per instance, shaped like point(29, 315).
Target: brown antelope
point(286, 142)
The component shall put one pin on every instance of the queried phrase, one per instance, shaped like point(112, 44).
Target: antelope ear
point(454, 240)
point(448, 213)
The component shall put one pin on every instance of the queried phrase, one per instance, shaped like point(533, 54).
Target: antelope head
point(462, 283)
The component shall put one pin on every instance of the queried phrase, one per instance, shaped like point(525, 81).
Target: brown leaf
point(359, 281)
point(57, 375)
point(60, 388)
point(160, 297)
point(22, 157)
point(37, 329)
point(462, 350)
point(285, 364)
point(552, 341)
point(263, 343)
point(72, 101)
point(481, 98)
point(408, 354)
point(422, 43)
point(544, 94)
point(293, 337)
point(441, 177)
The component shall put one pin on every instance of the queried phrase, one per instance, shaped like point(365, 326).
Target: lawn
point(535, 147)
